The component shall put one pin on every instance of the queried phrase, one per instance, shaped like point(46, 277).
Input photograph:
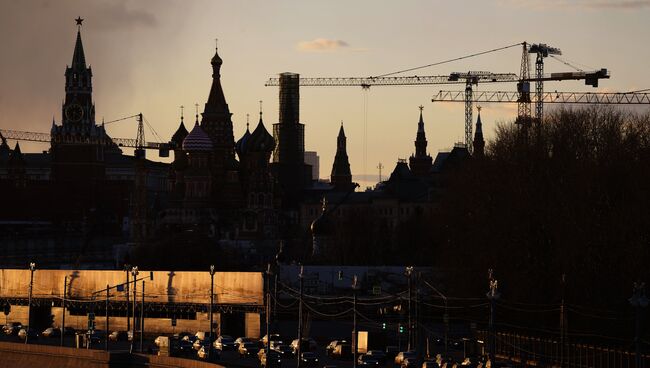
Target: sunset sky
point(152, 56)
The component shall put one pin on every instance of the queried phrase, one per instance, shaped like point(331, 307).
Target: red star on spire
point(79, 20)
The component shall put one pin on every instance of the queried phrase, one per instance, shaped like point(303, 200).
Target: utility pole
point(269, 272)
point(354, 322)
point(134, 273)
point(492, 295)
point(32, 267)
point(638, 301)
point(300, 278)
point(211, 300)
point(65, 292)
point(127, 268)
point(409, 272)
point(562, 321)
point(107, 329)
point(141, 318)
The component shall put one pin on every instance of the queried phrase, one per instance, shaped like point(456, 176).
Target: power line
point(450, 60)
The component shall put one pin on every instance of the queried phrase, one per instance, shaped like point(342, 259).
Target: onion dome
point(322, 225)
point(261, 140)
point(242, 144)
point(197, 140)
point(179, 136)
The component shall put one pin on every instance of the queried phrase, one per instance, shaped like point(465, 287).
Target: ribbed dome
point(242, 144)
point(197, 140)
point(180, 135)
point(261, 140)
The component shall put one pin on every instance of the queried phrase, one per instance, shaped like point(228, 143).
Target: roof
point(197, 140)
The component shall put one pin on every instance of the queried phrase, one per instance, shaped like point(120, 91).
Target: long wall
point(167, 287)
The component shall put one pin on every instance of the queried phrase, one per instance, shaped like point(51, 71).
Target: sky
point(152, 56)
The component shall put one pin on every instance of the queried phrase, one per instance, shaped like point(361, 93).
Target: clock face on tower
point(74, 112)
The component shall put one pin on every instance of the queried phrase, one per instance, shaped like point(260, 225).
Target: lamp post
point(492, 295)
point(354, 322)
point(211, 299)
point(127, 269)
point(445, 318)
point(638, 301)
point(65, 289)
point(32, 267)
point(134, 273)
point(409, 272)
point(269, 273)
point(298, 350)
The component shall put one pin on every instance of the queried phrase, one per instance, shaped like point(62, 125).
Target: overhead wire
point(449, 60)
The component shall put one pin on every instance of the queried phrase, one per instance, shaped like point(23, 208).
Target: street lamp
point(445, 318)
point(269, 273)
point(300, 278)
point(638, 301)
point(134, 273)
point(354, 321)
point(409, 272)
point(211, 298)
point(32, 267)
point(127, 268)
point(492, 295)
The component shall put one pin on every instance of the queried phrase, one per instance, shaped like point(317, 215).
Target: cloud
point(577, 4)
point(321, 44)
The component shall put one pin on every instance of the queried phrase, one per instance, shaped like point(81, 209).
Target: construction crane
point(138, 143)
point(605, 98)
point(470, 79)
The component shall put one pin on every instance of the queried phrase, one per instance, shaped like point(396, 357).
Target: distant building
point(312, 158)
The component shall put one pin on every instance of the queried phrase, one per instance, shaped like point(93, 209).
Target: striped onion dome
point(197, 140)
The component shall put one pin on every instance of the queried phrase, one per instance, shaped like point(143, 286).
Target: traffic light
point(383, 325)
point(401, 329)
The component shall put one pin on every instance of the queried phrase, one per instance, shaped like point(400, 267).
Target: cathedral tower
point(420, 162)
point(341, 175)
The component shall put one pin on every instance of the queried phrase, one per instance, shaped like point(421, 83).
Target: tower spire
point(78, 57)
point(421, 162)
point(479, 142)
point(341, 176)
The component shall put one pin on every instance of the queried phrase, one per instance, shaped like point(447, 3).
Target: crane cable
point(450, 60)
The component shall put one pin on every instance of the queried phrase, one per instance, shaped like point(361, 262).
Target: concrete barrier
point(42, 356)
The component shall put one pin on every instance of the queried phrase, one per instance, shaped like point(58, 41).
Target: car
point(403, 355)
point(380, 355)
point(308, 359)
point(208, 353)
point(270, 360)
point(198, 344)
point(51, 332)
point(202, 335)
point(248, 349)
point(367, 360)
point(241, 340)
point(95, 337)
point(69, 331)
point(307, 344)
point(274, 337)
point(12, 328)
point(26, 332)
point(329, 349)
point(185, 347)
point(284, 350)
point(224, 342)
point(411, 362)
point(391, 352)
point(121, 336)
point(342, 351)
point(430, 364)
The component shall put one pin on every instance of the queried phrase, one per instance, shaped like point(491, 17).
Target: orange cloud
point(321, 44)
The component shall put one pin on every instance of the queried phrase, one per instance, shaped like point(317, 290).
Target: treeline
point(571, 198)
